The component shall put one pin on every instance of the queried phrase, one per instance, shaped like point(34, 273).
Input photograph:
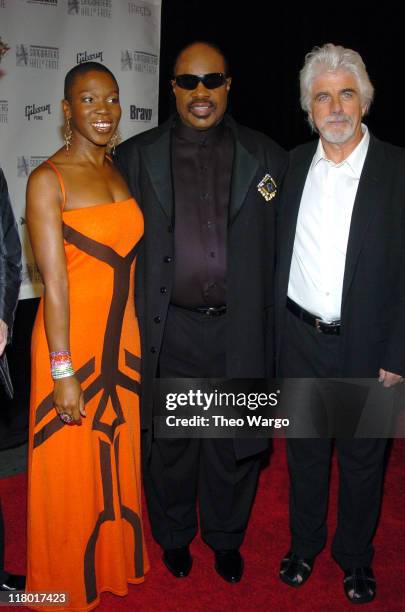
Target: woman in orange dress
point(84, 506)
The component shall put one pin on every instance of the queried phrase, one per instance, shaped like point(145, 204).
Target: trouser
point(307, 353)
point(3, 574)
point(180, 471)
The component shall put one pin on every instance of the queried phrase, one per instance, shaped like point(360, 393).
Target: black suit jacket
point(145, 161)
point(10, 269)
point(373, 300)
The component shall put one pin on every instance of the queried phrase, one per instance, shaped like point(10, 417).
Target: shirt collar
point(355, 160)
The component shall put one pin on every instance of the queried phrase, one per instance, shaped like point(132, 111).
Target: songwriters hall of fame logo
point(27, 163)
point(37, 56)
point(139, 61)
point(90, 8)
point(3, 111)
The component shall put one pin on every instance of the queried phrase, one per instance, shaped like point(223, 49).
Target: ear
point(173, 85)
point(228, 83)
point(66, 109)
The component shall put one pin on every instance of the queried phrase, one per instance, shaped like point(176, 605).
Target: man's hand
point(389, 379)
point(3, 336)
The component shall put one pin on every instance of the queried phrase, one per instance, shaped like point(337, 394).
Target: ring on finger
point(65, 417)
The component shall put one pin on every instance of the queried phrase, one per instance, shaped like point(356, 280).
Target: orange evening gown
point(84, 496)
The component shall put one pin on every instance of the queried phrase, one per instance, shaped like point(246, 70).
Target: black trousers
point(3, 574)
point(180, 471)
point(307, 353)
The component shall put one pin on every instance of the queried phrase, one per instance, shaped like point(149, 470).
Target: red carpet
point(266, 542)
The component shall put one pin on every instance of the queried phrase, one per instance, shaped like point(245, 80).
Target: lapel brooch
point(267, 187)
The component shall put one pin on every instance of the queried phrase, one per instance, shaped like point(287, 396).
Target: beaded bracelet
point(61, 364)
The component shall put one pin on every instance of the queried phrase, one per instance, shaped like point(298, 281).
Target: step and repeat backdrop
point(40, 40)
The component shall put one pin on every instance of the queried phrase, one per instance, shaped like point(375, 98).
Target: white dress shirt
point(319, 254)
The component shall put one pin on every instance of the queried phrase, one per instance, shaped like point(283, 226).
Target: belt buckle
point(318, 325)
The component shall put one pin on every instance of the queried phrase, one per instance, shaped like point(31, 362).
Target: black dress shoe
point(229, 564)
point(359, 584)
point(13, 583)
point(295, 570)
point(178, 561)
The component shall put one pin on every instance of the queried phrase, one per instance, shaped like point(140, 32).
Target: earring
point(113, 142)
point(67, 136)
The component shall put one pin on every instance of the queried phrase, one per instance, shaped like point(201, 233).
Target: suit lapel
point(290, 204)
point(245, 167)
point(157, 159)
point(370, 194)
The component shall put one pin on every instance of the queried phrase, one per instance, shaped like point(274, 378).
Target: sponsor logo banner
point(139, 113)
point(89, 56)
point(37, 56)
point(27, 163)
point(43, 2)
point(140, 10)
point(3, 111)
point(37, 112)
point(90, 8)
point(31, 274)
point(139, 61)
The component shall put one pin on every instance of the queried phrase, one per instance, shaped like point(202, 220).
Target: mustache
point(338, 118)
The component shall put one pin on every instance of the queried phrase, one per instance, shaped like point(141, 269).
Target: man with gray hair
point(340, 304)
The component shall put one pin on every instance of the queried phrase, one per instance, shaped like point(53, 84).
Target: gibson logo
point(89, 57)
point(32, 110)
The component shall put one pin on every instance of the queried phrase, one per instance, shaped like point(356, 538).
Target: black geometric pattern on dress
point(105, 515)
point(110, 377)
point(133, 519)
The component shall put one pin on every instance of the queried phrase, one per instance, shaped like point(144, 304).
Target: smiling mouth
point(102, 126)
point(201, 109)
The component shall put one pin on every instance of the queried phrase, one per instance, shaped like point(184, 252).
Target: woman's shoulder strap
point(60, 179)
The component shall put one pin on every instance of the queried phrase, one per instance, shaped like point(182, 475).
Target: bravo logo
point(138, 113)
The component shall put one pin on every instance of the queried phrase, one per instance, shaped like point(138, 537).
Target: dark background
point(266, 45)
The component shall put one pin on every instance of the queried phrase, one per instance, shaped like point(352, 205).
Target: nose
point(102, 107)
point(336, 104)
point(201, 90)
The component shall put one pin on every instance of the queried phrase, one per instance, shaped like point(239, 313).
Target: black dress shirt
point(202, 171)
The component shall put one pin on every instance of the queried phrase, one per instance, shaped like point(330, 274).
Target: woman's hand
point(68, 398)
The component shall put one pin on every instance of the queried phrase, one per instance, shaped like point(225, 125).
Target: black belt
point(321, 326)
point(211, 311)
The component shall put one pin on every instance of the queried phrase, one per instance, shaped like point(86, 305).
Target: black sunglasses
point(210, 81)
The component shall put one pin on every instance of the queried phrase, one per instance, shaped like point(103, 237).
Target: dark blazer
point(10, 270)
point(145, 161)
point(373, 300)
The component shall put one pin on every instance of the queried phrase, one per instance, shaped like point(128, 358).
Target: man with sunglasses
point(207, 187)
